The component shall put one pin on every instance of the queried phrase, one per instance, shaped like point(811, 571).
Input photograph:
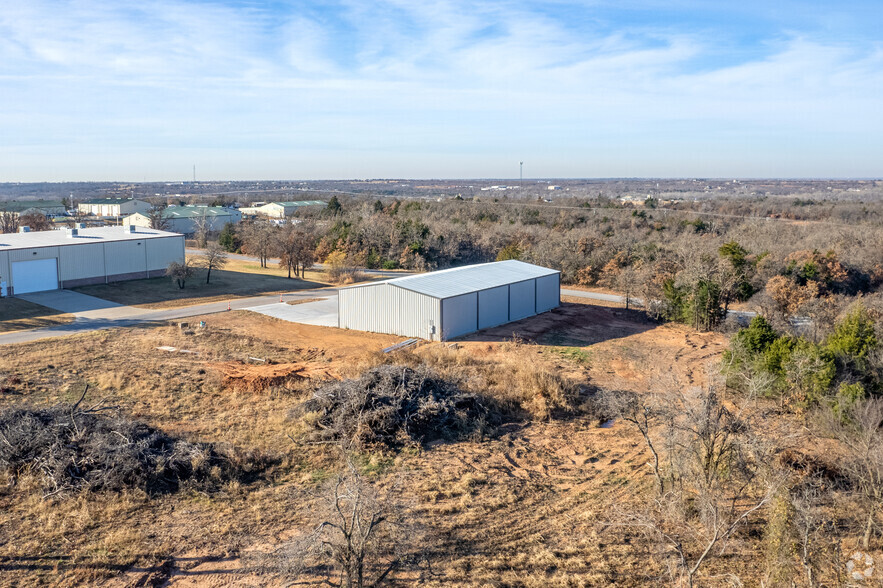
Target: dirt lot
point(518, 508)
point(17, 315)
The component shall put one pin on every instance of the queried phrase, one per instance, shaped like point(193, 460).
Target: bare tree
point(201, 229)
point(362, 535)
point(643, 412)
point(36, 221)
point(258, 240)
point(718, 479)
point(214, 257)
point(8, 222)
point(817, 540)
point(180, 272)
point(860, 432)
point(296, 249)
point(157, 217)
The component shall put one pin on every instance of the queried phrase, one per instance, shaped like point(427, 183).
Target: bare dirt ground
point(521, 507)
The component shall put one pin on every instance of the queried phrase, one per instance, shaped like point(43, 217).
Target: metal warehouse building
point(49, 260)
point(450, 303)
point(187, 219)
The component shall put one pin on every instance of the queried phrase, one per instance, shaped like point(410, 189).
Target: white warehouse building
point(187, 219)
point(49, 260)
point(441, 305)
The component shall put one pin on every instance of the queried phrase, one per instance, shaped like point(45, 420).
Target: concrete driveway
point(95, 314)
point(71, 302)
point(322, 313)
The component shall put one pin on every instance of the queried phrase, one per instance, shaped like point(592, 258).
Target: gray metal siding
point(522, 300)
point(493, 307)
point(548, 293)
point(459, 315)
point(33, 253)
point(5, 269)
point(125, 257)
point(162, 252)
point(81, 261)
point(382, 308)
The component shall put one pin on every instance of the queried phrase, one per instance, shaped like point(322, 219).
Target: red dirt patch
point(255, 378)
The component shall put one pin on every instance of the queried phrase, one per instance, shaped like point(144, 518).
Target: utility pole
point(521, 174)
point(194, 173)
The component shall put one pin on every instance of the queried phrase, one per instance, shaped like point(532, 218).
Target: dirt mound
point(255, 378)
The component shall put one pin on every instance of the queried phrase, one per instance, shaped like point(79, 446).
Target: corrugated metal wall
point(88, 260)
point(548, 293)
point(81, 261)
point(459, 315)
point(34, 253)
point(5, 268)
point(125, 257)
point(382, 308)
point(163, 251)
point(493, 307)
point(522, 302)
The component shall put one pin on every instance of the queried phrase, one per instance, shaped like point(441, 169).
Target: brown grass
point(519, 508)
point(18, 315)
point(238, 279)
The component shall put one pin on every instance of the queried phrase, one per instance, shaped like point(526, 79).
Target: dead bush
point(360, 537)
point(71, 449)
point(392, 405)
point(345, 275)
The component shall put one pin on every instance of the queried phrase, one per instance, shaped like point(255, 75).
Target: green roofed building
point(187, 219)
point(22, 207)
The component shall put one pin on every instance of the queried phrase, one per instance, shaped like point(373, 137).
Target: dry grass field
point(238, 279)
point(18, 315)
point(521, 505)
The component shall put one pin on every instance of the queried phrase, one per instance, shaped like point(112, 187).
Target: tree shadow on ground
point(224, 283)
point(570, 325)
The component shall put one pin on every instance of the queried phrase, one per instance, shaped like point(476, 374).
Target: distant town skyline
point(143, 91)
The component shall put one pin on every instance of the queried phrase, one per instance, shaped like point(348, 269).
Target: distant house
point(44, 207)
point(186, 219)
point(280, 209)
point(112, 206)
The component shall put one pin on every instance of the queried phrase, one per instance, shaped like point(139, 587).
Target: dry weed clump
point(516, 383)
point(66, 449)
point(392, 405)
point(342, 276)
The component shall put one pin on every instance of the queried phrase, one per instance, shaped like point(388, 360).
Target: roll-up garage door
point(34, 276)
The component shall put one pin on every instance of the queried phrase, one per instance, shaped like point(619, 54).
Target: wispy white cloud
point(394, 79)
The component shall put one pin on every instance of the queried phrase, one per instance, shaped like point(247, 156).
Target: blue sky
point(143, 90)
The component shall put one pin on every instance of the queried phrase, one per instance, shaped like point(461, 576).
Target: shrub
point(854, 337)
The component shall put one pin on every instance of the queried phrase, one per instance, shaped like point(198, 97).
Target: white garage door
point(34, 276)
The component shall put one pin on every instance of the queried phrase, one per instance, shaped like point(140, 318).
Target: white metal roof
point(55, 238)
point(471, 278)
